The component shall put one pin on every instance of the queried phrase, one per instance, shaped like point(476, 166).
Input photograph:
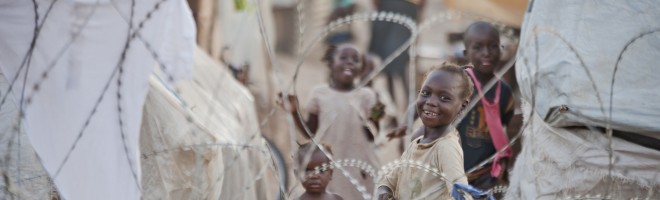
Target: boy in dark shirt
point(482, 130)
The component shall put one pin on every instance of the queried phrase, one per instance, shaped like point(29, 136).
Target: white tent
point(585, 67)
point(203, 141)
point(83, 84)
point(195, 144)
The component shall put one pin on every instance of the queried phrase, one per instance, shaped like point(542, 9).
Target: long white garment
point(73, 116)
point(238, 30)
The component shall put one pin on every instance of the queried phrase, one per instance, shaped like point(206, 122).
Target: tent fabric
point(235, 120)
point(559, 163)
point(206, 145)
point(565, 68)
point(79, 46)
point(558, 36)
point(174, 164)
point(19, 164)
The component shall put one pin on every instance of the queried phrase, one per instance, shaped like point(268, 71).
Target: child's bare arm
point(411, 112)
point(312, 121)
point(375, 3)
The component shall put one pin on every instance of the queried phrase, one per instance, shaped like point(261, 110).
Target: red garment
point(494, 122)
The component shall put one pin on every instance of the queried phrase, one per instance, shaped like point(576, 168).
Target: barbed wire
point(379, 16)
point(122, 59)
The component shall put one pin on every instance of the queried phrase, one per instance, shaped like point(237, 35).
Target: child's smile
point(349, 72)
point(430, 114)
point(488, 62)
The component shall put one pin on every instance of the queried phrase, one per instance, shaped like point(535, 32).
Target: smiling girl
point(344, 110)
point(445, 93)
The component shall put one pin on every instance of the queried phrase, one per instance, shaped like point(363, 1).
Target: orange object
point(510, 12)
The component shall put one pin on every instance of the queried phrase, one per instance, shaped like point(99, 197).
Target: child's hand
point(503, 178)
point(377, 112)
point(293, 102)
point(397, 133)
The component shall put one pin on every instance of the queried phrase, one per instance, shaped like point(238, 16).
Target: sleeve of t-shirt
point(450, 160)
point(312, 105)
point(390, 179)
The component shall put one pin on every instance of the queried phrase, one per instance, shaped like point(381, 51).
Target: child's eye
point(424, 93)
point(445, 98)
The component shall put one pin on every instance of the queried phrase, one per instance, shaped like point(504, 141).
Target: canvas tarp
point(204, 144)
point(68, 87)
point(570, 54)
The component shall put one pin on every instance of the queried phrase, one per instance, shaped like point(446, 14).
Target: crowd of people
point(344, 117)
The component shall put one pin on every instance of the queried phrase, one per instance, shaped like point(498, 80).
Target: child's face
point(317, 182)
point(483, 50)
point(345, 64)
point(440, 100)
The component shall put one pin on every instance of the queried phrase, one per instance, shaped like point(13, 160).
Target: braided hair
point(468, 85)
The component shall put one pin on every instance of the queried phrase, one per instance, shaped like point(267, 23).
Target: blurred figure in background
point(341, 114)
point(386, 37)
point(341, 8)
point(482, 130)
